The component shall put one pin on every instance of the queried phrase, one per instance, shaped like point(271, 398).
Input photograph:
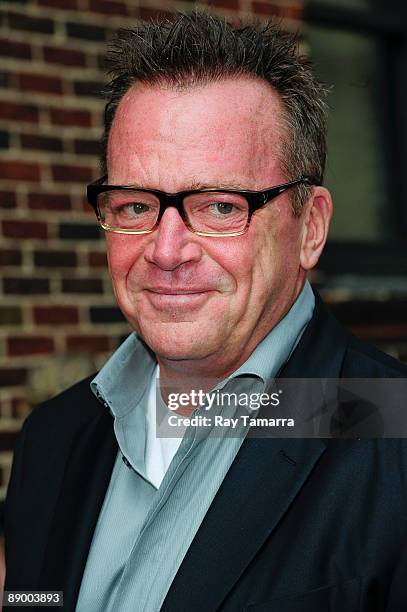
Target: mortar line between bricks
point(33, 66)
point(53, 130)
point(50, 99)
point(63, 15)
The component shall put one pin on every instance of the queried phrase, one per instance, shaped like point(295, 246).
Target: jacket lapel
point(86, 477)
point(263, 481)
point(257, 491)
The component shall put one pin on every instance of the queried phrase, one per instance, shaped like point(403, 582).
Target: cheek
point(236, 257)
point(122, 253)
point(247, 260)
point(286, 254)
point(275, 252)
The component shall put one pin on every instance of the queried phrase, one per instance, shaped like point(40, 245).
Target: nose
point(172, 243)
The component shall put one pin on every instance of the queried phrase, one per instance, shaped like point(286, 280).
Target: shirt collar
point(275, 348)
point(125, 377)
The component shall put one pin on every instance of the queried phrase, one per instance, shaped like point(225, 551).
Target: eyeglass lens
point(216, 212)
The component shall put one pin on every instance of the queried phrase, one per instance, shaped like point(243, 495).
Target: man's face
point(207, 301)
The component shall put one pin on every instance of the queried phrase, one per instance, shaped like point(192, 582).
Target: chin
point(179, 341)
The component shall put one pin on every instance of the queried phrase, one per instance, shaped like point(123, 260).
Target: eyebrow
point(222, 185)
point(198, 185)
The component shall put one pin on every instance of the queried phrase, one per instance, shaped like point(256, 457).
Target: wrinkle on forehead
point(232, 129)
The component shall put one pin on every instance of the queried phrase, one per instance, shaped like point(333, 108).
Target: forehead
point(233, 127)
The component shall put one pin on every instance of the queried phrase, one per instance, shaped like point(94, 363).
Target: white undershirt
point(159, 452)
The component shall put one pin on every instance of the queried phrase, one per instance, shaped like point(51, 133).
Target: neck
point(184, 377)
point(201, 375)
point(217, 366)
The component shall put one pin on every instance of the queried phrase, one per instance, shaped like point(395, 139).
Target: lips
point(181, 299)
point(174, 291)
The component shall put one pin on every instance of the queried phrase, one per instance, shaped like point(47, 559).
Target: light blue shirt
point(144, 532)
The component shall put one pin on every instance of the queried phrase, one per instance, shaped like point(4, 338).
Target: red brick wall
point(58, 320)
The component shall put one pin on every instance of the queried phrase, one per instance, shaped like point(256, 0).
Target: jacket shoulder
point(71, 407)
point(356, 358)
point(329, 350)
point(364, 360)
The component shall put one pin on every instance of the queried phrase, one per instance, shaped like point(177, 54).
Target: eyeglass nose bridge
point(172, 200)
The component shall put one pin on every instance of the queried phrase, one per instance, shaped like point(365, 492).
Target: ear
point(318, 213)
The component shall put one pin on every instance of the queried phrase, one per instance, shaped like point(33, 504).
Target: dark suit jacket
point(298, 525)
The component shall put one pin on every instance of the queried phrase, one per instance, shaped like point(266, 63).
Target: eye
point(222, 208)
point(137, 207)
point(131, 209)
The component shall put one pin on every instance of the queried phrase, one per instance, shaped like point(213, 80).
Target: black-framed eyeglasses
point(206, 212)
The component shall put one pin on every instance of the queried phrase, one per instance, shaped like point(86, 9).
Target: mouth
point(164, 298)
point(172, 291)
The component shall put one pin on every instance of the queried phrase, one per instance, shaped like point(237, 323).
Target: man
point(214, 212)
